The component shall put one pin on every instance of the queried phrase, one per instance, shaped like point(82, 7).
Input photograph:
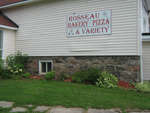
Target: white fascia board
point(17, 4)
point(8, 27)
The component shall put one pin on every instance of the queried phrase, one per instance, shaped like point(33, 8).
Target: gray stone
point(126, 68)
point(41, 109)
point(18, 109)
point(102, 111)
point(5, 104)
point(29, 106)
point(65, 110)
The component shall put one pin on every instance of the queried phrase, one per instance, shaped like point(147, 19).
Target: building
point(67, 36)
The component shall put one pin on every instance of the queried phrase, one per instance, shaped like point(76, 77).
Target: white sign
point(95, 23)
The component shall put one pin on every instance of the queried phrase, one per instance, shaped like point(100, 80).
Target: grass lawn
point(54, 93)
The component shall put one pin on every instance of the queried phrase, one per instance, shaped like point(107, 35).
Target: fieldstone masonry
point(126, 68)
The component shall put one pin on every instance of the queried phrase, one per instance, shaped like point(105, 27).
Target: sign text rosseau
point(95, 23)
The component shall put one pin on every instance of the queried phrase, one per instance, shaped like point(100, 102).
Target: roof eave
point(8, 27)
point(17, 4)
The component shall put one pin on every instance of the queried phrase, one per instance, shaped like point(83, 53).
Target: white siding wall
point(8, 42)
point(146, 60)
point(42, 28)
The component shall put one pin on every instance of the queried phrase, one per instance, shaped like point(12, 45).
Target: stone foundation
point(126, 68)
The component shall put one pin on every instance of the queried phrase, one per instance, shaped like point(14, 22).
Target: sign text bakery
point(95, 23)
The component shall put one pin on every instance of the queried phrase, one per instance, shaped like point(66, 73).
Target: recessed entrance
point(146, 60)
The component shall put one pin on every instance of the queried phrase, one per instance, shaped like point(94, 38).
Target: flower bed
point(126, 85)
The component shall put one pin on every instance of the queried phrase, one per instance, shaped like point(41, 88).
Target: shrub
point(1, 66)
point(78, 77)
point(64, 76)
point(89, 76)
point(50, 75)
point(5, 74)
point(26, 75)
point(1, 63)
point(92, 75)
point(16, 69)
point(143, 87)
point(16, 63)
point(107, 80)
point(17, 58)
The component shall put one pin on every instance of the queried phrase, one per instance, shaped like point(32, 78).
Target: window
point(45, 66)
point(1, 44)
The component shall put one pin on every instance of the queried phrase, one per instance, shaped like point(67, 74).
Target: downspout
point(141, 62)
point(140, 5)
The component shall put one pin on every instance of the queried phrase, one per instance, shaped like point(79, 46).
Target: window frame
point(40, 66)
point(2, 43)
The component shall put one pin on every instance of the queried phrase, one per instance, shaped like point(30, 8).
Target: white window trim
point(40, 68)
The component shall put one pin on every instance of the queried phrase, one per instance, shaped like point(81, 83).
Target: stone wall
point(126, 68)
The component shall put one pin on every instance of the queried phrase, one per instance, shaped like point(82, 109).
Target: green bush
point(50, 75)
point(4, 73)
point(1, 66)
point(89, 76)
point(26, 75)
point(77, 77)
point(1, 63)
point(64, 76)
point(16, 63)
point(143, 87)
point(17, 58)
point(16, 69)
point(107, 80)
point(93, 75)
